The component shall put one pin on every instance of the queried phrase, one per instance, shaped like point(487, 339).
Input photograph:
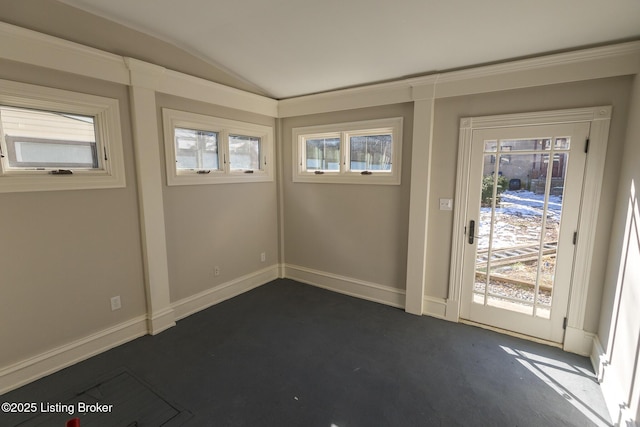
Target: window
point(52, 139)
point(367, 152)
point(208, 150)
point(196, 149)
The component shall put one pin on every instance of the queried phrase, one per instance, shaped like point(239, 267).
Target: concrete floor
point(288, 354)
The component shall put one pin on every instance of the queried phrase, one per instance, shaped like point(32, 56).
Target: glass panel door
point(521, 196)
point(521, 215)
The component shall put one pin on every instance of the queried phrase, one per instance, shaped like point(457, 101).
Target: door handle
point(472, 231)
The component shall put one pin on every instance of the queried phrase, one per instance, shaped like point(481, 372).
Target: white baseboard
point(612, 390)
point(435, 307)
point(578, 341)
point(597, 357)
point(206, 299)
point(26, 371)
point(161, 321)
point(453, 310)
point(347, 285)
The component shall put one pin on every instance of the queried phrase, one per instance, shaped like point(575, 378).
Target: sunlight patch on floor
point(578, 386)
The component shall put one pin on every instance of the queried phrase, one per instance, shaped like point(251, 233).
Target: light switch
point(446, 204)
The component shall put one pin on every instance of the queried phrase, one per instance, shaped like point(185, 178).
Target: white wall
point(618, 348)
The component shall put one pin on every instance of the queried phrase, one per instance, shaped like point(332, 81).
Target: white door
point(523, 205)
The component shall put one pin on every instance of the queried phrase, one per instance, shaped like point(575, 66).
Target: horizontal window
point(203, 149)
point(58, 140)
point(322, 153)
point(196, 149)
point(367, 152)
point(244, 152)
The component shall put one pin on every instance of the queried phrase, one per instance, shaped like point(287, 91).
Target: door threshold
point(511, 333)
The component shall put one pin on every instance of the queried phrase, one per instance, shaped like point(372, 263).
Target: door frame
point(576, 340)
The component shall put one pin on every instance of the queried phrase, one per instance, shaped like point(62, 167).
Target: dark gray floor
point(288, 354)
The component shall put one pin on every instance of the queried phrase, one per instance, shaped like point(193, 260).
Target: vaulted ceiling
point(288, 48)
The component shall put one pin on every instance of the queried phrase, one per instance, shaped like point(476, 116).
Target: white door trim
point(600, 118)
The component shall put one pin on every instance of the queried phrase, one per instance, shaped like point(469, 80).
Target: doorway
point(531, 184)
point(524, 194)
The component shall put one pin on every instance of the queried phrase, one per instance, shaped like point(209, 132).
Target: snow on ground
point(518, 219)
point(527, 203)
point(518, 222)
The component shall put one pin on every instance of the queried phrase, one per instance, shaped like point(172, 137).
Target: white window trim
point(225, 127)
point(343, 131)
point(106, 112)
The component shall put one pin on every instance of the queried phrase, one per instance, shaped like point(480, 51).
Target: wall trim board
point(42, 50)
point(205, 299)
point(150, 201)
point(347, 285)
point(161, 320)
point(41, 365)
point(612, 391)
point(597, 356)
point(48, 362)
point(280, 161)
point(453, 310)
point(171, 82)
point(395, 92)
point(578, 341)
point(587, 114)
point(31, 47)
point(435, 307)
point(420, 188)
point(589, 211)
point(585, 64)
point(579, 56)
point(195, 88)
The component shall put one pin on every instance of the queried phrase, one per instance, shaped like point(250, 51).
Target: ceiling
point(290, 48)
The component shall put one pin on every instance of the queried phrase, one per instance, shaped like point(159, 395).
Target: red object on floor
point(74, 422)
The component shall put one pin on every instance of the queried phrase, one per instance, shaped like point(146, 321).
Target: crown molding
point(30, 47)
point(586, 64)
point(621, 50)
point(143, 74)
point(346, 99)
point(27, 46)
point(184, 85)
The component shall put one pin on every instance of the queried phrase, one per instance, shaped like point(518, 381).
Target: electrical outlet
point(116, 303)
point(263, 256)
point(216, 271)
